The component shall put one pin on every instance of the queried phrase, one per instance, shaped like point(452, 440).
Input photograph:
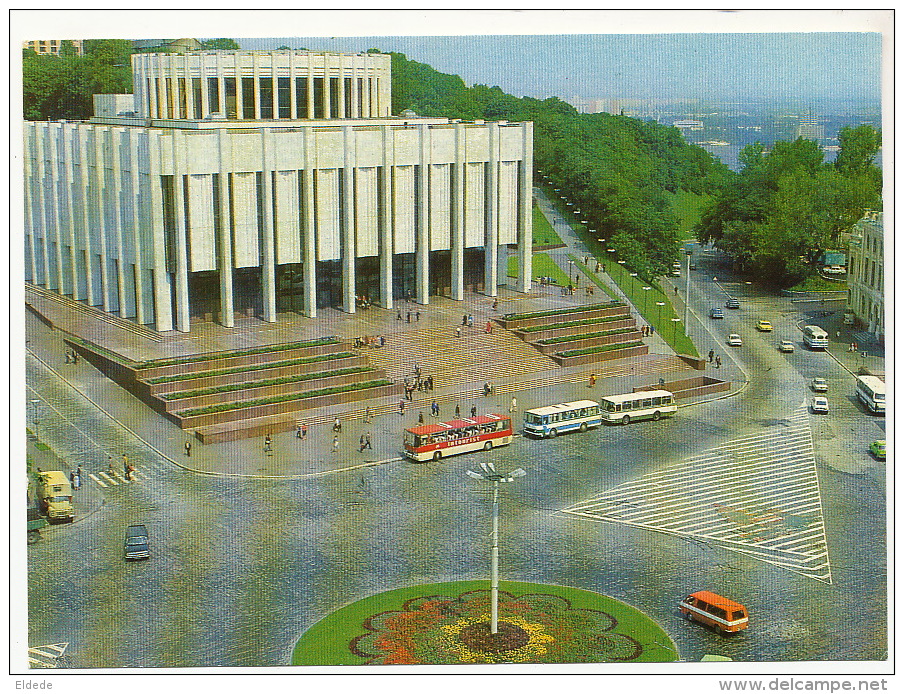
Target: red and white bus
point(435, 441)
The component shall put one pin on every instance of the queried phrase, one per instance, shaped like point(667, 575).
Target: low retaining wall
point(601, 356)
point(580, 343)
point(213, 362)
point(576, 314)
point(698, 363)
point(243, 376)
point(690, 387)
point(553, 331)
point(284, 407)
point(253, 392)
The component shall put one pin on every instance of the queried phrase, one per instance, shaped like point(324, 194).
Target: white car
point(820, 405)
point(786, 346)
point(734, 340)
point(820, 385)
point(834, 270)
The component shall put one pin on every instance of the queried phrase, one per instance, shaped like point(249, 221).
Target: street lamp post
point(645, 290)
point(687, 285)
point(490, 474)
point(570, 267)
point(675, 322)
point(660, 304)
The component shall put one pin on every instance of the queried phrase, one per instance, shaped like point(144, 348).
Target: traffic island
point(449, 624)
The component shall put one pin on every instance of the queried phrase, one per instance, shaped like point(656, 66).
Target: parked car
point(716, 313)
point(764, 326)
point(734, 340)
point(676, 272)
point(786, 346)
point(732, 303)
point(714, 611)
point(877, 448)
point(834, 270)
point(136, 545)
point(820, 385)
point(819, 405)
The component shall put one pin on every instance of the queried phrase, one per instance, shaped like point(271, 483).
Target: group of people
point(370, 341)
point(417, 383)
point(71, 356)
point(128, 470)
point(362, 301)
point(715, 359)
point(75, 478)
point(646, 330)
point(417, 315)
point(545, 281)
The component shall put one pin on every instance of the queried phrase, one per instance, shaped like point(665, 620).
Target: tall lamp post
point(490, 474)
point(645, 290)
point(675, 322)
point(660, 304)
point(570, 267)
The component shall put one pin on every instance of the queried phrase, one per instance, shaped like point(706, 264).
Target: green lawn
point(688, 207)
point(543, 235)
point(543, 266)
point(817, 283)
point(327, 641)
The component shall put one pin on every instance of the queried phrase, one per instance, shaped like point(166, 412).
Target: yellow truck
point(55, 496)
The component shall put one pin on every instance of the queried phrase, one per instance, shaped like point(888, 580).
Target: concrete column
point(30, 211)
point(422, 220)
point(101, 204)
point(385, 220)
point(205, 89)
point(153, 102)
point(221, 87)
point(239, 100)
point(525, 209)
point(53, 141)
point(491, 217)
point(189, 89)
point(134, 223)
point(356, 113)
point(67, 133)
point(163, 311)
point(256, 85)
point(293, 88)
point(166, 100)
point(458, 215)
point(309, 235)
point(178, 88)
point(125, 311)
point(275, 87)
point(227, 307)
point(310, 83)
point(327, 113)
point(347, 220)
point(340, 100)
point(40, 180)
point(84, 137)
point(183, 312)
point(365, 94)
point(268, 240)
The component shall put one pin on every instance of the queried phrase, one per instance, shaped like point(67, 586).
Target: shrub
point(230, 387)
point(237, 353)
point(249, 367)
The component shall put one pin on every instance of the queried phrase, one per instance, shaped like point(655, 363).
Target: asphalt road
point(240, 568)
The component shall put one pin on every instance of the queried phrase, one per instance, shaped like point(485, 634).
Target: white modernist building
point(247, 183)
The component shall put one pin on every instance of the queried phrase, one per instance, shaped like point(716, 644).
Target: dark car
point(137, 543)
point(716, 313)
point(732, 303)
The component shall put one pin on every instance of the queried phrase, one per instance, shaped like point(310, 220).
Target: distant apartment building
point(52, 47)
point(866, 275)
point(810, 128)
point(244, 183)
point(688, 124)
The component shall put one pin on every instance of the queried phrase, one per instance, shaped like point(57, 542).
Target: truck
point(55, 496)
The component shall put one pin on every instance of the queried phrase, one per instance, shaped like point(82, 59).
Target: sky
point(719, 66)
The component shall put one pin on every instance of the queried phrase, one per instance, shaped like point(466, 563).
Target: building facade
point(866, 274)
point(52, 47)
point(186, 208)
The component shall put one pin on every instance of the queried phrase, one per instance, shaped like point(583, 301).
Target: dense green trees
point(786, 206)
point(619, 171)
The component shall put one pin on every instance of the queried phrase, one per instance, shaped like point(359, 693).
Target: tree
point(221, 45)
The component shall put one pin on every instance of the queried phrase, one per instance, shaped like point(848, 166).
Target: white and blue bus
point(644, 404)
point(557, 419)
point(815, 337)
point(871, 392)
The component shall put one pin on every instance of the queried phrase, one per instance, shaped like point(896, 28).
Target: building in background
point(252, 182)
point(52, 47)
point(866, 275)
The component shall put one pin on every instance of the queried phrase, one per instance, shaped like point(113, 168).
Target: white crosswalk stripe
point(46, 656)
point(757, 495)
point(106, 479)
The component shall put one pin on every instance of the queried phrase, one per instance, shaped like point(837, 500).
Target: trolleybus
point(815, 337)
point(435, 441)
point(644, 404)
point(871, 392)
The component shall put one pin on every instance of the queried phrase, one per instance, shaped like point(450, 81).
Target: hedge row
point(255, 367)
point(599, 348)
point(237, 353)
point(584, 336)
point(571, 309)
point(226, 406)
point(571, 323)
point(182, 394)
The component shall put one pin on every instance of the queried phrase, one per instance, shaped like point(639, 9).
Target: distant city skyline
point(781, 66)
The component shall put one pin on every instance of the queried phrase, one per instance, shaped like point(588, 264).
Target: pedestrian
point(457, 412)
point(712, 354)
point(408, 317)
point(514, 405)
point(473, 410)
point(676, 291)
point(77, 482)
point(495, 304)
point(592, 380)
point(464, 319)
point(125, 463)
point(268, 443)
point(367, 441)
point(72, 478)
point(337, 425)
point(188, 449)
point(434, 409)
point(401, 407)
point(130, 472)
point(74, 357)
point(398, 314)
point(335, 444)
point(430, 382)
point(652, 330)
point(68, 358)
point(458, 331)
point(489, 327)
point(297, 430)
point(361, 442)
point(417, 369)
point(718, 362)
point(368, 414)
point(420, 417)
point(382, 341)
point(417, 316)
point(110, 465)
point(470, 321)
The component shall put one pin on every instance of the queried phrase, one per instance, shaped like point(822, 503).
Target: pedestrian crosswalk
point(112, 479)
point(46, 656)
point(757, 495)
